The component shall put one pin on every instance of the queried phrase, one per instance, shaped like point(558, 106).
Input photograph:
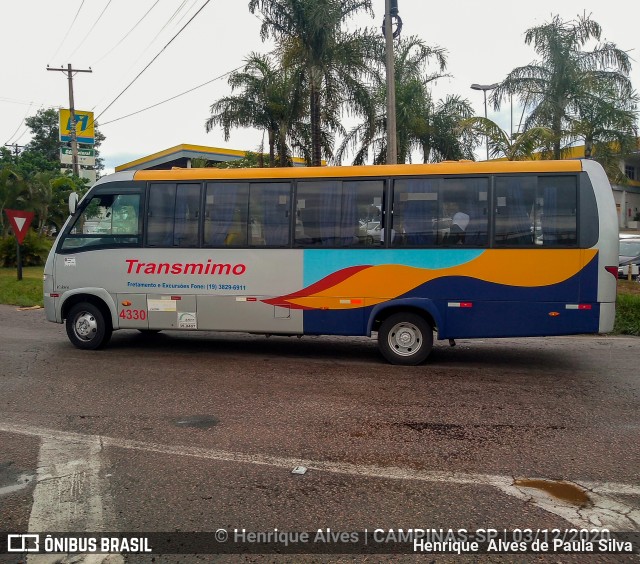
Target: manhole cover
point(198, 421)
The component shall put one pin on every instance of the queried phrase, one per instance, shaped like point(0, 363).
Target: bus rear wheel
point(87, 327)
point(405, 338)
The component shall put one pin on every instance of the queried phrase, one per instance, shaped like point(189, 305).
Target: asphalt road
point(201, 431)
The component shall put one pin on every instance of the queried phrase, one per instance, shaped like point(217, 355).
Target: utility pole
point(74, 142)
point(391, 11)
point(16, 148)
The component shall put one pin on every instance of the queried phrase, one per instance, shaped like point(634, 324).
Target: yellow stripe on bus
point(443, 168)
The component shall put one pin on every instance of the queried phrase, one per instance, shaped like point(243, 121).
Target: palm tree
point(421, 124)
point(606, 126)
point(328, 62)
point(443, 140)
point(521, 146)
point(556, 86)
point(267, 102)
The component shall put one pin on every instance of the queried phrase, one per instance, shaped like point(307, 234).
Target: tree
point(422, 125)
point(267, 101)
point(606, 126)
point(556, 87)
point(327, 61)
point(521, 147)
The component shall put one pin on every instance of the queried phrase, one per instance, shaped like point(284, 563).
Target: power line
point(166, 24)
point(149, 44)
point(19, 126)
point(90, 30)
point(173, 97)
point(66, 34)
point(128, 33)
point(152, 60)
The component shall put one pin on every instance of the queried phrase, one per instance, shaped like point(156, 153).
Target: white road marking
point(609, 509)
point(68, 490)
point(69, 494)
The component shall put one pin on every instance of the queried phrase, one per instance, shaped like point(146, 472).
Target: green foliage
point(628, 315)
point(34, 250)
point(250, 160)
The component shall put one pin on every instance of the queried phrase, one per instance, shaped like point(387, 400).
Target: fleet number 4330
point(140, 314)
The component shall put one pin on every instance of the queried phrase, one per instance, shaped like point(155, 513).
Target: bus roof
point(445, 167)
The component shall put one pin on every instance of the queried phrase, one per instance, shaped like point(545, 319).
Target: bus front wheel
point(87, 327)
point(405, 338)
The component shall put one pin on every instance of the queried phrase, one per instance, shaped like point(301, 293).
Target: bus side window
point(558, 203)
point(463, 217)
point(173, 215)
point(415, 211)
point(515, 210)
point(187, 214)
point(334, 213)
point(162, 201)
point(269, 207)
point(226, 209)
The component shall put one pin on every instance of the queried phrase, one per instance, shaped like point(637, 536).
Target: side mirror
point(73, 202)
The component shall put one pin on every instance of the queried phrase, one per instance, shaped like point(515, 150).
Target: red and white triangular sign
point(20, 221)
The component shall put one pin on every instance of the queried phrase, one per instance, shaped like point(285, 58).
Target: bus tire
point(405, 338)
point(87, 327)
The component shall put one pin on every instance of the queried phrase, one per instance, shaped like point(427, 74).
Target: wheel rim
point(405, 339)
point(85, 326)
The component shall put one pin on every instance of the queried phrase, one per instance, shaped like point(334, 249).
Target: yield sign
point(20, 221)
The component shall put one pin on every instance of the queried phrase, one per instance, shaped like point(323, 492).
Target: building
point(181, 156)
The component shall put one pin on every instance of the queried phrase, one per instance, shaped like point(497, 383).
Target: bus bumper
point(51, 309)
point(607, 317)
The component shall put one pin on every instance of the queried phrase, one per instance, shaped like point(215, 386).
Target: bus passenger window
point(225, 218)
point(162, 201)
point(185, 233)
point(558, 203)
point(173, 215)
point(515, 210)
point(333, 213)
point(269, 211)
point(463, 218)
point(415, 212)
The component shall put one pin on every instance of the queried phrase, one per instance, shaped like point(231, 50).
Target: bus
point(401, 252)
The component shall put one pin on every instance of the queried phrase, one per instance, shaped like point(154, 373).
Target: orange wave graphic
point(525, 268)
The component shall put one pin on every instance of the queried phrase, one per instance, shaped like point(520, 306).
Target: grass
point(28, 292)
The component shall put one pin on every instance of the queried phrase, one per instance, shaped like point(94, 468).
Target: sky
point(484, 41)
